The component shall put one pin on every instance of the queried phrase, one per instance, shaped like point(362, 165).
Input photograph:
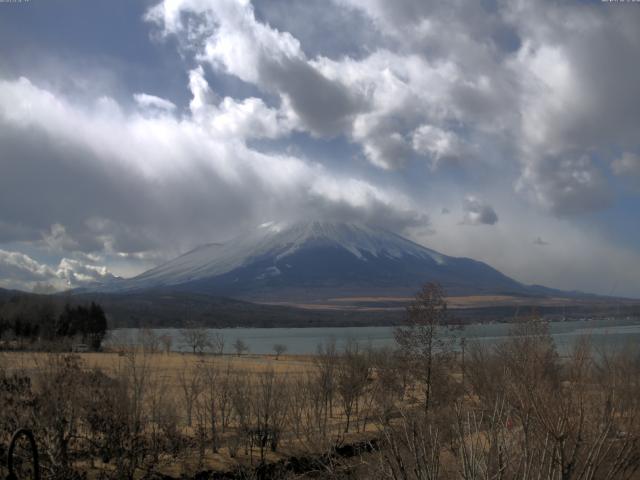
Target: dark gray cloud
point(325, 106)
point(477, 212)
point(540, 242)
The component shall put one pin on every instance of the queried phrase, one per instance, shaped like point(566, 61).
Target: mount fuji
point(317, 259)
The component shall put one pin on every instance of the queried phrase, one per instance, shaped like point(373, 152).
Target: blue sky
point(131, 132)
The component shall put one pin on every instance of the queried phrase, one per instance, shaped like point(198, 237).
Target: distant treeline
point(26, 319)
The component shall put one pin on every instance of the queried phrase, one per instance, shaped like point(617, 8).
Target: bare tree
point(389, 383)
point(352, 376)
point(197, 339)
point(166, 341)
point(161, 414)
point(210, 399)
point(269, 406)
point(240, 394)
point(240, 346)
point(217, 343)
point(411, 450)
point(279, 349)
point(190, 382)
point(223, 391)
point(58, 382)
point(136, 375)
point(421, 341)
point(148, 340)
point(326, 361)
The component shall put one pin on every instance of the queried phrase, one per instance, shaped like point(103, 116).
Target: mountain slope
point(319, 260)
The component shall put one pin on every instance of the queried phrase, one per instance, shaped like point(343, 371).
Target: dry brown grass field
point(167, 364)
point(174, 377)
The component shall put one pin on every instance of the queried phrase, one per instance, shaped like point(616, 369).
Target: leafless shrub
point(166, 341)
point(269, 407)
point(279, 349)
point(410, 450)
point(240, 346)
point(326, 363)
point(388, 388)
point(148, 340)
point(217, 343)
point(190, 383)
point(196, 338)
point(352, 378)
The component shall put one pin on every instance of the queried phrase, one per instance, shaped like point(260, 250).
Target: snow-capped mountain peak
point(314, 255)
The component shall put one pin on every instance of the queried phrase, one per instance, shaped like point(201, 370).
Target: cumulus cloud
point(575, 98)
point(246, 119)
point(76, 273)
point(393, 104)
point(20, 267)
point(477, 212)
point(439, 145)
point(145, 100)
point(134, 182)
point(58, 240)
point(565, 186)
point(534, 82)
point(231, 39)
point(628, 166)
point(20, 271)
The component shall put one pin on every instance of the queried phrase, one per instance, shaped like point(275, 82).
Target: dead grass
point(168, 364)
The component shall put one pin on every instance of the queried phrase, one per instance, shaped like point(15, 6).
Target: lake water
point(604, 333)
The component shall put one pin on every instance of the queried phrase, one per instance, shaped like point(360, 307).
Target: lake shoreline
point(305, 340)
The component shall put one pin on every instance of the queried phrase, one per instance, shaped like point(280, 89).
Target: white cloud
point(249, 118)
point(140, 182)
point(228, 37)
point(531, 84)
point(628, 166)
point(21, 267)
point(565, 186)
point(145, 100)
point(18, 270)
point(58, 240)
point(76, 273)
point(440, 145)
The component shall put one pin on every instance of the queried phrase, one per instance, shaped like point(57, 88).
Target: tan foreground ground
point(168, 373)
point(170, 365)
